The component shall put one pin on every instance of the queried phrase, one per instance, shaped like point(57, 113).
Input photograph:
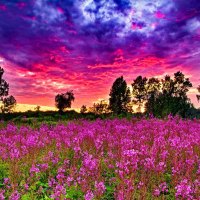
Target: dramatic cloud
point(50, 46)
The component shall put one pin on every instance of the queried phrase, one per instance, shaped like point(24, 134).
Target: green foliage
point(193, 113)
point(109, 193)
point(74, 192)
point(25, 197)
point(163, 97)
point(168, 178)
point(3, 172)
point(172, 105)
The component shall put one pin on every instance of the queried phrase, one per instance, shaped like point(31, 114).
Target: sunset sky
point(51, 46)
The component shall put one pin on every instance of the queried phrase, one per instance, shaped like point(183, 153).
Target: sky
point(51, 46)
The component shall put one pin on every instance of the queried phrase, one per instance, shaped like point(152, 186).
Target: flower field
point(104, 159)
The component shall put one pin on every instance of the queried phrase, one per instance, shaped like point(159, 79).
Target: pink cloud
point(3, 7)
point(136, 26)
point(159, 15)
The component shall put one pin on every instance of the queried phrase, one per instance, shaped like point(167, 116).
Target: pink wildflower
point(34, 169)
point(2, 197)
point(15, 196)
point(89, 195)
point(100, 187)
point(184, 190)
point(156, 192)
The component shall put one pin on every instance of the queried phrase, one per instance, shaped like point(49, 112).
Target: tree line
point(159, 97)
point(155, 96)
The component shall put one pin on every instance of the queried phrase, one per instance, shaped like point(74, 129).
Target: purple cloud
point(53, 45)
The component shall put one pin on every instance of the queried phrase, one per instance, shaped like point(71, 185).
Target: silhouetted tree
point(177, 87)
point(4, 86)
point(119, 96)
point(100, 107)
point(37, 108)
point(153, 87)
point(7, 102)
point(64, 100)
point(83, 109)
point(162, 97)
point(168, 95)
point(198, 95)
point(139, 91)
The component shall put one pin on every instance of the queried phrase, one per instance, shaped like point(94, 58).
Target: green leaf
point(74, 193)
point(25, 197)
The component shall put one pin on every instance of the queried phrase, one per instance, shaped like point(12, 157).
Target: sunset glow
point(49, 46)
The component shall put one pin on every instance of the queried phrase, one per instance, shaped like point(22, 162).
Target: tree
point(7, 102)
point(164, 106)
point(139, 91)
point(165, 96)
point(153, 87)
point(168, 96)
point(100, 107)
point(8, 105)
point(119, 96)
point(37, 108)
point(4, 86)
point(145, 91)
point(64, 100)
point(198, 96)
point(83, 109)
point(177, 87)
point(173, 97)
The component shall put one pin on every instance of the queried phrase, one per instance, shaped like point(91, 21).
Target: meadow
point(122, 159)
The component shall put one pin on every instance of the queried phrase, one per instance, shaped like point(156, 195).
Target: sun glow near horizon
point(30, 107)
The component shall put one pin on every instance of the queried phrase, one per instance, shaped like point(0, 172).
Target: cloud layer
point(49, 46)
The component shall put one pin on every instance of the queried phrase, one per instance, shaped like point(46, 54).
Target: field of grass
point(102, 159)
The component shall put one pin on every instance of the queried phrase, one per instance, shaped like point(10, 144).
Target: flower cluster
point(108, 159)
